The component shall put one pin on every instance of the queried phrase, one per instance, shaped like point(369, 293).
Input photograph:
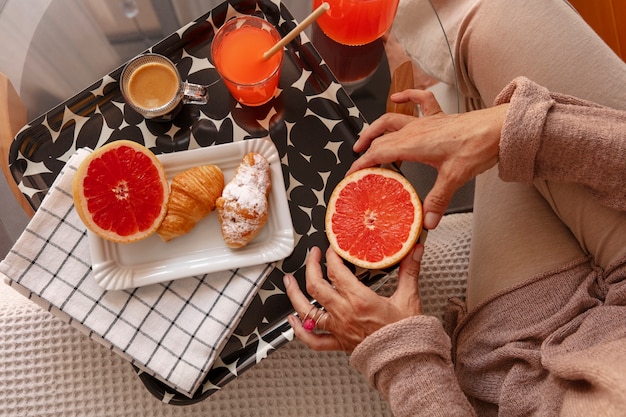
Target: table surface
point(67, 45)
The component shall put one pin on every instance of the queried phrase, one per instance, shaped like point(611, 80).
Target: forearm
point(559, 138)
point(409, 363)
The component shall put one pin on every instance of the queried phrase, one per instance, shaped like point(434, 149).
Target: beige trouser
point(522, 230)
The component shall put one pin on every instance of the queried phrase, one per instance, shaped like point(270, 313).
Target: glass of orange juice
point(237, 50)
point(356, 22)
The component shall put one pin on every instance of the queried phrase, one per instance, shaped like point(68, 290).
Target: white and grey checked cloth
point(173, 330)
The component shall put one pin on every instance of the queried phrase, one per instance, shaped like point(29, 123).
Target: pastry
point(242, 208)
point(192, 197)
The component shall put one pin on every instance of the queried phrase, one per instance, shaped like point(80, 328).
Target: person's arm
point(564, 139)
point(409, 363)
point(531, 132)
point(459, 146)
point(406, 355)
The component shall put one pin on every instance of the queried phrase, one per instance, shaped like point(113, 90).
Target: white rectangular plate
point(201, 251)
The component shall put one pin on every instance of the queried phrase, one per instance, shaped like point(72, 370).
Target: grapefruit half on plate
point(373, 218)
point(120, 192)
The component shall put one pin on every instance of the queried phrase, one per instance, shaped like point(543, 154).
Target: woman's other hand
point(351, 311)
point(459, 146)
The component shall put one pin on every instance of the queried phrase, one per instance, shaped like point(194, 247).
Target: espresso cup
point(152, 86)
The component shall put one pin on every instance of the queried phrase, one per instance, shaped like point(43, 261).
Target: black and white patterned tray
point(312, 121)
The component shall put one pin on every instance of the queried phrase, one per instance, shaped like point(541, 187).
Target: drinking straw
point(296, 31)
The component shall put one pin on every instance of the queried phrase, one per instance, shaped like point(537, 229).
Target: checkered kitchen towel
point(174, 330)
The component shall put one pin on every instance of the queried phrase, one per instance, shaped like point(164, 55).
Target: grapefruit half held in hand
point(373, 218)
point(120, 192)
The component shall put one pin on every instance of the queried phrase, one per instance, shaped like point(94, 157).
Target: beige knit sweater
point(555, 345)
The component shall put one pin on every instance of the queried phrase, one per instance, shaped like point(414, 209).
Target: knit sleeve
point(409, 363)
point(555, 137)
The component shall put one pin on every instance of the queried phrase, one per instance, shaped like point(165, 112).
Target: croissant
point(242, 208)
point(192, 197)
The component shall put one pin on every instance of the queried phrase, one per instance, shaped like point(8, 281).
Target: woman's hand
point(459, 146)
point(351, 311)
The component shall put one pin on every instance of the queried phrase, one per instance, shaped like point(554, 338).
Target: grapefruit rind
point(147, 220)
point(393, 227)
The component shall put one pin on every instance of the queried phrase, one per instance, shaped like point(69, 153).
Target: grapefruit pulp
point(120, 192)
point(373, 218)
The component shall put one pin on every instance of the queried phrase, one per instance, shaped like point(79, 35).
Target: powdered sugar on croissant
point(243, 206)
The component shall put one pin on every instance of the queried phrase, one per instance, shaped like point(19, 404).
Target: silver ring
point(325, 317)
point(309, 312)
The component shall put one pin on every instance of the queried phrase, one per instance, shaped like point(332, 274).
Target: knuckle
point(313, 288)
point(360, 306)
point(439, 200)
point(428, 95)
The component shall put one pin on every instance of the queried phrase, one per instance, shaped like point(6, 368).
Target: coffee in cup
point(152, 86)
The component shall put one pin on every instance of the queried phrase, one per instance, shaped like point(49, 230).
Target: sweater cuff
point(411, 337)
point(521, 131)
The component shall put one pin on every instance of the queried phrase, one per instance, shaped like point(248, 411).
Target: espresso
point(153, 85)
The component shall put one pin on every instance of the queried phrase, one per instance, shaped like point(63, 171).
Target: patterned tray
point(313, 123)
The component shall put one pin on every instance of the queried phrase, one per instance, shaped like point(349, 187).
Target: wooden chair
point(607, 18)
point(12, 119)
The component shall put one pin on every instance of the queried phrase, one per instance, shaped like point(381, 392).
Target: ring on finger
point(309, 313)
point(323, 316)
point(309, 322)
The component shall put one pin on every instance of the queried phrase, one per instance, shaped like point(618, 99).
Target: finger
point(318, 342)
point(437, 200)
point(298, 300)
point(407, 295)
point(428, 103)
point(348, 287)
point(340, 275)
point(388, 122)
point(409, 271)
point(383, 152)
point(304, 309)
point(320, 289)
point(366, 160)
point(426, 99)
point(368, 135)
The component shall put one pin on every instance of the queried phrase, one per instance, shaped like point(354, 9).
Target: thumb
point(407, 289)
point(436, 203)
point(409, 270)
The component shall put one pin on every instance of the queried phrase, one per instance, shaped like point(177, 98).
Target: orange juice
point(238, 56)
point(357, 22)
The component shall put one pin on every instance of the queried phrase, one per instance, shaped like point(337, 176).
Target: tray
point(119, 266)
point(313, 123)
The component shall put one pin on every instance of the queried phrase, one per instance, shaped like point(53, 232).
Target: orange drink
point(237, 52)
point(357, 22)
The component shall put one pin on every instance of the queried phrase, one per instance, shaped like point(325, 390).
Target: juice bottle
point(357, 22)
point(352, 65)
